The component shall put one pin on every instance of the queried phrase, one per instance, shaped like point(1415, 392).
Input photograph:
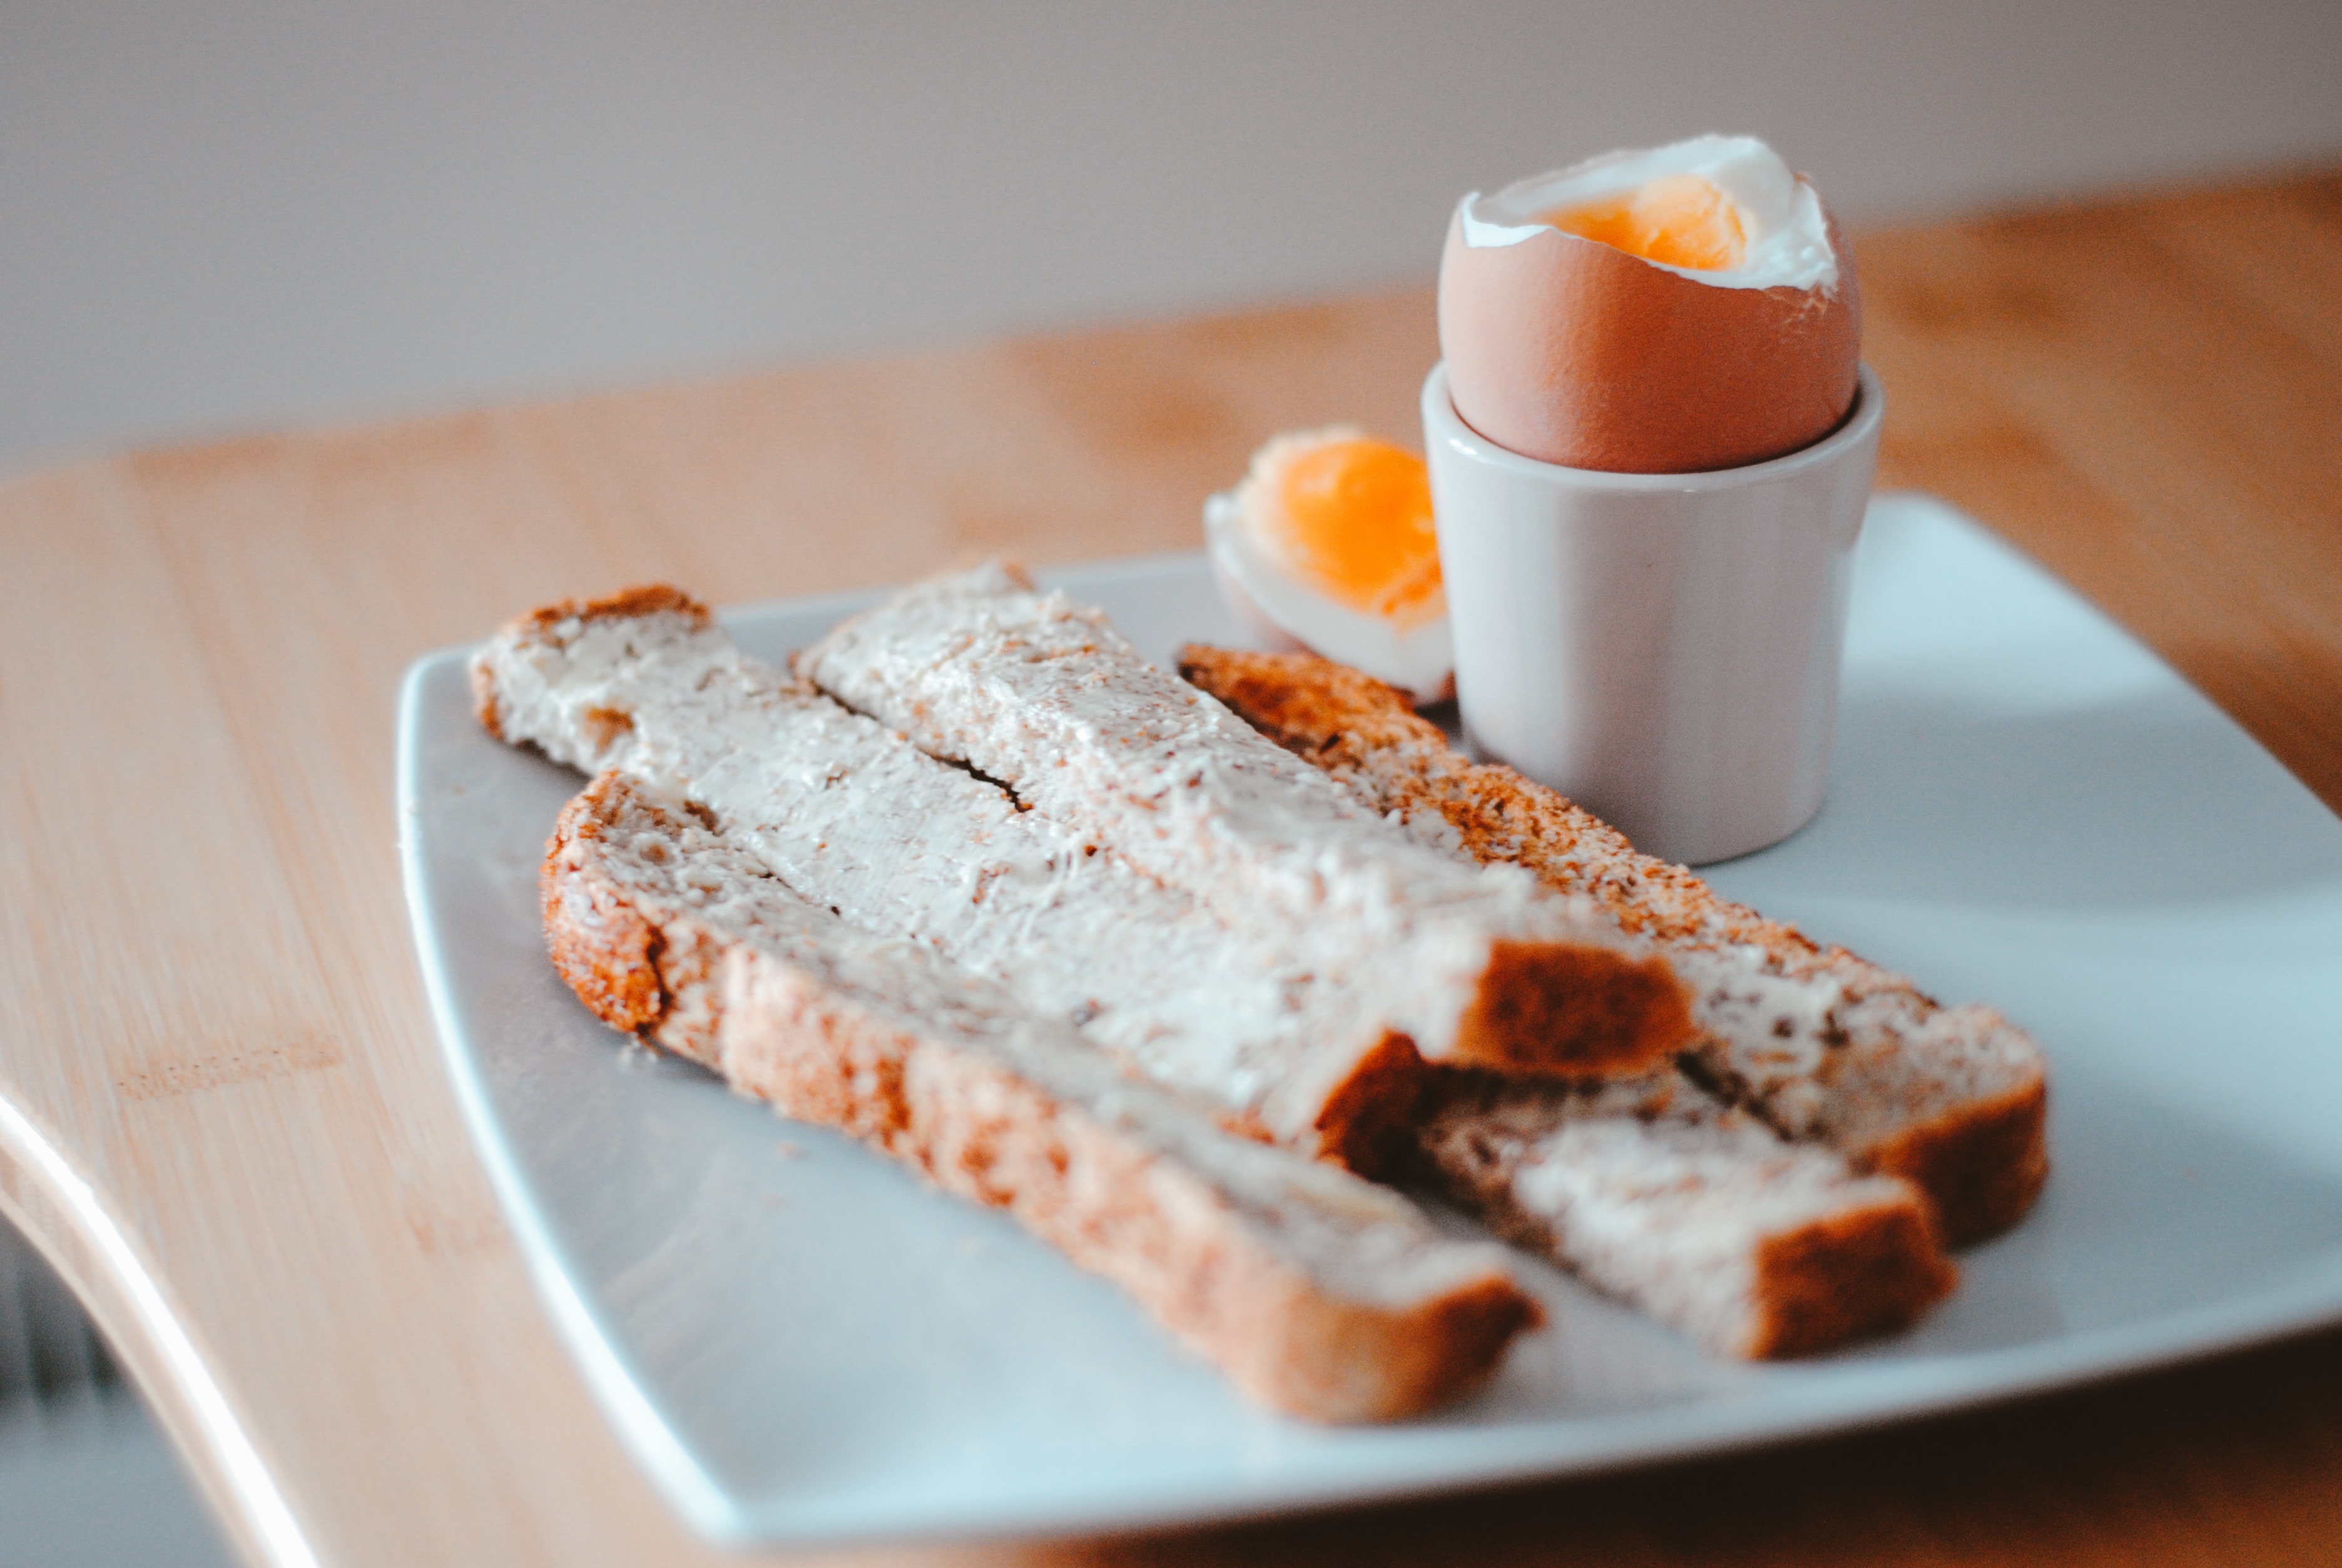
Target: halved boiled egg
point(1327, 544)
point(1670, 311)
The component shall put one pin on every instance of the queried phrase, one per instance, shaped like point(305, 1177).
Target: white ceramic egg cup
point(1662, 648)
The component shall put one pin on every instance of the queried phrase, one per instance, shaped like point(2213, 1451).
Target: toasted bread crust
point(1866, 1271)
point(626, 604)
point(819, 1050)
point(607, 952)
point(1982, 1160)
point(1338, 1361)
point(1984, 1164)
point(1369, 1118)
point(1576, 1012)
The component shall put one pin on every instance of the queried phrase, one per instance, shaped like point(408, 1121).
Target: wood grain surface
point(220, 1106)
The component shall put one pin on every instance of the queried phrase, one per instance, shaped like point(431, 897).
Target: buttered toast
point(1317, 1291)
point(1826, 1046)
point(974, 883)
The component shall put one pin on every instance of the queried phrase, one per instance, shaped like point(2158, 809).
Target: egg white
point(1419, 660)
point(1781, 216)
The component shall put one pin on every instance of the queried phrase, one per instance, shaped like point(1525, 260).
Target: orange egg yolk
point(1681, 220)
point(1356, 519)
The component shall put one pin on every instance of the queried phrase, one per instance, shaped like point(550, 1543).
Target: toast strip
point(1823, 1045)
point(1476, 966)
point(1317, 1293)
point(906, 845)
point(1656, 1192)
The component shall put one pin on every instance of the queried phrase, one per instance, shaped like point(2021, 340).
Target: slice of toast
point(1256, 1016)
point(1476, 965)
point(1823, 1045)
point(1317, 1293)
point(1656, 1192)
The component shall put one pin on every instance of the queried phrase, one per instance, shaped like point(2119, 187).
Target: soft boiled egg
point(1327, 545)
point(1671, 311)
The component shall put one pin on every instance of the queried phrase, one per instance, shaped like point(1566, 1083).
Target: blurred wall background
point(254, 213)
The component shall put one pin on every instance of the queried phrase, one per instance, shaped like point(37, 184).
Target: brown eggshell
point(1568, 351)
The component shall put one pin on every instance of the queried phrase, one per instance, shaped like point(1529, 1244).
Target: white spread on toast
point(1240, 1247)
point(906, 845)
point(1045, 695)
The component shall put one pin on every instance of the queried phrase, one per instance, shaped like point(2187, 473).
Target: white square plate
point(802, 1344)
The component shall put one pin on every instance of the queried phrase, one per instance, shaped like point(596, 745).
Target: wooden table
point(222, 1111)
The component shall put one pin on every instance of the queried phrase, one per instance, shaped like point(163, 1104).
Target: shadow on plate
point(2154, 799)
